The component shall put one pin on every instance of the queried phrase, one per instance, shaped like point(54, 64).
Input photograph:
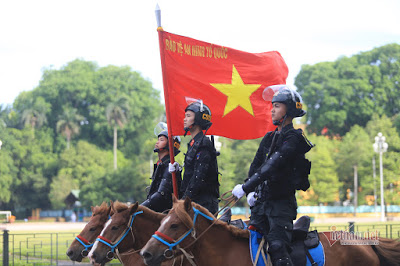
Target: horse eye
point(174, 226)
point(115, 228)
point(92, 229)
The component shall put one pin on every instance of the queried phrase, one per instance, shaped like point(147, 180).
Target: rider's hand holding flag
point(173, 167)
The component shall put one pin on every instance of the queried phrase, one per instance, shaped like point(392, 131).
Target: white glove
point(238, 191)
point(173, 167)
point(251, 200)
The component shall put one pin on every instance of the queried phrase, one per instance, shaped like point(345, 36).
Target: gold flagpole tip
point(160, 29)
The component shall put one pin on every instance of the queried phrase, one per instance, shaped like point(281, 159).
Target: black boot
point(226, 216)
point(283, 262)
point(279, 254)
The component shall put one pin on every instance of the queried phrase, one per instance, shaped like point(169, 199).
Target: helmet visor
point(271, 91)
point(160, 127)
point(190, 100)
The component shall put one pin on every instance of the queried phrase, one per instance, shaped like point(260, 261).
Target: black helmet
point(202, 114)
point(283, 94)
point(164, 132)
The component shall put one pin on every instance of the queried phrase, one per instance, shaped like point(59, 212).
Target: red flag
point(228, 81)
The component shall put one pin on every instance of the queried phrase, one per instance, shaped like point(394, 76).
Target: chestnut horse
point(125, 233)
point(213, 242)
point(83, 242)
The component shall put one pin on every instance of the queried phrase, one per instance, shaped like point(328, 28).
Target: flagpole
point(167, 110)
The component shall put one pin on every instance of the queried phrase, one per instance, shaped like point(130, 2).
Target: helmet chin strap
point(187, 129)
point(280, 121)
point(161, 149)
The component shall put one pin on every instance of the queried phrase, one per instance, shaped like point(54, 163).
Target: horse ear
point(112, 207)
point(174, 199)
point(134, 207)
point(188, 204)
point(109, 210)
point(92, 208)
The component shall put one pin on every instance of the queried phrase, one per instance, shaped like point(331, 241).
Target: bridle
point(114, 245)
point(85, 244)
point(170, 242)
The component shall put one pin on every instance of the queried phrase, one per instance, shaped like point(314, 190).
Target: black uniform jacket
point(159, 197)
point(273, 175)
point(200, 178)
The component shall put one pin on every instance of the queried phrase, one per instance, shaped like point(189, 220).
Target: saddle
point(306, 248)
point(226, 217)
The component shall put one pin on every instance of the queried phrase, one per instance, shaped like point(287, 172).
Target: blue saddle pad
point(317, 254)
point(255, 238)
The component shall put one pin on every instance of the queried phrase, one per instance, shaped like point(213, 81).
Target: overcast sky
point(49, 34)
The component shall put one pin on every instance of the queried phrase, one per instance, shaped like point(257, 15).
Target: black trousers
point(274, 219)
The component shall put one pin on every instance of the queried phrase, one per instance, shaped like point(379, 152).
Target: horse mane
point(100, 209)
point(152, 214)
point(179, 208)
point(119, 206)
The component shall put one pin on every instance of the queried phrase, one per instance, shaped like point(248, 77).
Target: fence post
point(351, 227)
point(5, 248)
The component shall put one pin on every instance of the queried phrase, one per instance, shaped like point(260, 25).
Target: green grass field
point(44, 248)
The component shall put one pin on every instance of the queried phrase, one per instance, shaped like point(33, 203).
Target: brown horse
point(226, 245)
point(125, 233)
point(83, 242)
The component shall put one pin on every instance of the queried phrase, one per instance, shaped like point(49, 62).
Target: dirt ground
point(43, 226)
point(78, 226)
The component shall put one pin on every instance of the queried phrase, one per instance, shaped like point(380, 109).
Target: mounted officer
point(278, 169)
point(200, 179)
point(159, 197)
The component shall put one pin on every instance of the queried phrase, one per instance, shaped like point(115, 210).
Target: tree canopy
point(350, 90)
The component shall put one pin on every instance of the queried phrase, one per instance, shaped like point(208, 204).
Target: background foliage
point(348, 101)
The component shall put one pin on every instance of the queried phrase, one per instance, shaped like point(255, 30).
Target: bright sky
point(50, 33)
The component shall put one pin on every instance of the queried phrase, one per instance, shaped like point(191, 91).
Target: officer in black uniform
point(200, 178)
point(159, 197)
point(278, 169)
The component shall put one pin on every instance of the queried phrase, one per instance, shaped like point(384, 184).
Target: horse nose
point(92, 257)
point(146, 255)
point(70, 253)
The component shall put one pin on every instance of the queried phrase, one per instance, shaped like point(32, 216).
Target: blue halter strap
point(86, 246)
point(113, 246)
point(175, 243)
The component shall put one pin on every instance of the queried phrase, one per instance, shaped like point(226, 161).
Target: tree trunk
point(115, 147)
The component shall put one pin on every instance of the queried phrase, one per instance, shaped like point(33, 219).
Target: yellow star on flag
point(238, 93)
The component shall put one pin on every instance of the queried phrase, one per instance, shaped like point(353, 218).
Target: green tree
point(391, 158)
point(33, 110)
point(355, 151)
point(117, 113)
point(350, 90)
point(324, 181)
point(35, 165)
point(7, 168)
point(69, 124)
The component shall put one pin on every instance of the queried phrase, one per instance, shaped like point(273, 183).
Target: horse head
point(117, 235)
point(176, 229)
point(83, 242)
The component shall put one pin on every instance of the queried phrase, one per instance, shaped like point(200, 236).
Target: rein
point(160, 236)
point(168, 253)
point(112, 245)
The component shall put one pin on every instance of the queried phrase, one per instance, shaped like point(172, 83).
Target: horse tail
point(388, 251)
